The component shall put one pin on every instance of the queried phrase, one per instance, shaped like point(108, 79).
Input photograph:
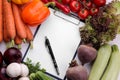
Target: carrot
point(29, 35)
point(18, 41)
point(5, 34)
point(9, 19)
point(19, 24)
point(1, 21)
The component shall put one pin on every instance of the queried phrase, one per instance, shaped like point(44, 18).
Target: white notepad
point(64, 38)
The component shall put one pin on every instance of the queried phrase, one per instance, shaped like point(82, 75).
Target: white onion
point(13, 70)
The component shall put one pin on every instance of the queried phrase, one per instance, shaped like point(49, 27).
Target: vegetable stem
point(50, 4)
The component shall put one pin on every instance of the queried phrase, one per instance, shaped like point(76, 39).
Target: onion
point(13, 70)
point(12, 55)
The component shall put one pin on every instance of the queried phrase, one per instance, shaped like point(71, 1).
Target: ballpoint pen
point(47, 43)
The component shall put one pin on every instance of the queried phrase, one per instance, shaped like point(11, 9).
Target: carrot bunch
point(13, 30)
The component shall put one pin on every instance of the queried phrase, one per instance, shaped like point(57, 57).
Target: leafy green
point(102, 27)
point(33, 67)
point(113, 8)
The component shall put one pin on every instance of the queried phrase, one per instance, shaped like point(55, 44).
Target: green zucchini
point(112, 70)
point(100, 63)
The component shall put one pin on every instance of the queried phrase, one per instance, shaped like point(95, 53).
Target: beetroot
point(86, 54)
point(76, 72)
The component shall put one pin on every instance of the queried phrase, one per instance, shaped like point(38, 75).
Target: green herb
point(33, 67)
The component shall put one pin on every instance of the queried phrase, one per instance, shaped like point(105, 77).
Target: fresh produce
point(40, 75)
point(20, 1)
point(13, 70)
point(102, 27)
point(35, 13)
point(74, 6)
point(83, 14)
point(35, 71)
point(78, 8)
point(65, 1)
point(113, 8)
point(19, 24)
point(112, 70)
point(76, 72)
point(18, 41)
point(1, 59)
point(99, 3)
point(86, 54)
point(45, 1)
point(13, 27)
point(29, 35)
point(24, 70)
point(1, 23)
point(9, 19)
point(3, 75)
point(101, 62)
point(87, 3)
point(5, 34)
point(33, 68)
point(12, 55)
point(3, 70)
point(62, 7)
point(93, 11)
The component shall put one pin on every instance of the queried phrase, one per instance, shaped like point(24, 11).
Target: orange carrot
point(18, 41)
point(29, 35)
point(9, 19)
point(1, 21)
point(19, 24)
point(5, 34)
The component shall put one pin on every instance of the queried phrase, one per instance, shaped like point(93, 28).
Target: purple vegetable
point(86, 54)
point(76, 72)
point(12, 55)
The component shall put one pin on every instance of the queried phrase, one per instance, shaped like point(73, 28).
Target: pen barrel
point(51, 52)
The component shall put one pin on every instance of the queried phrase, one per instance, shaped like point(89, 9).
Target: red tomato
point(66, 1)
point(99, 3)
point(87, 3)
point(93, 11)
point(83, 14)
point(75, 6)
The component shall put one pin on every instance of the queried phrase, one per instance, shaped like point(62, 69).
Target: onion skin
point(86, 54)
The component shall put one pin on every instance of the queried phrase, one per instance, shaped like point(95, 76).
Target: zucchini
point(100, 63)
point(112, 70)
